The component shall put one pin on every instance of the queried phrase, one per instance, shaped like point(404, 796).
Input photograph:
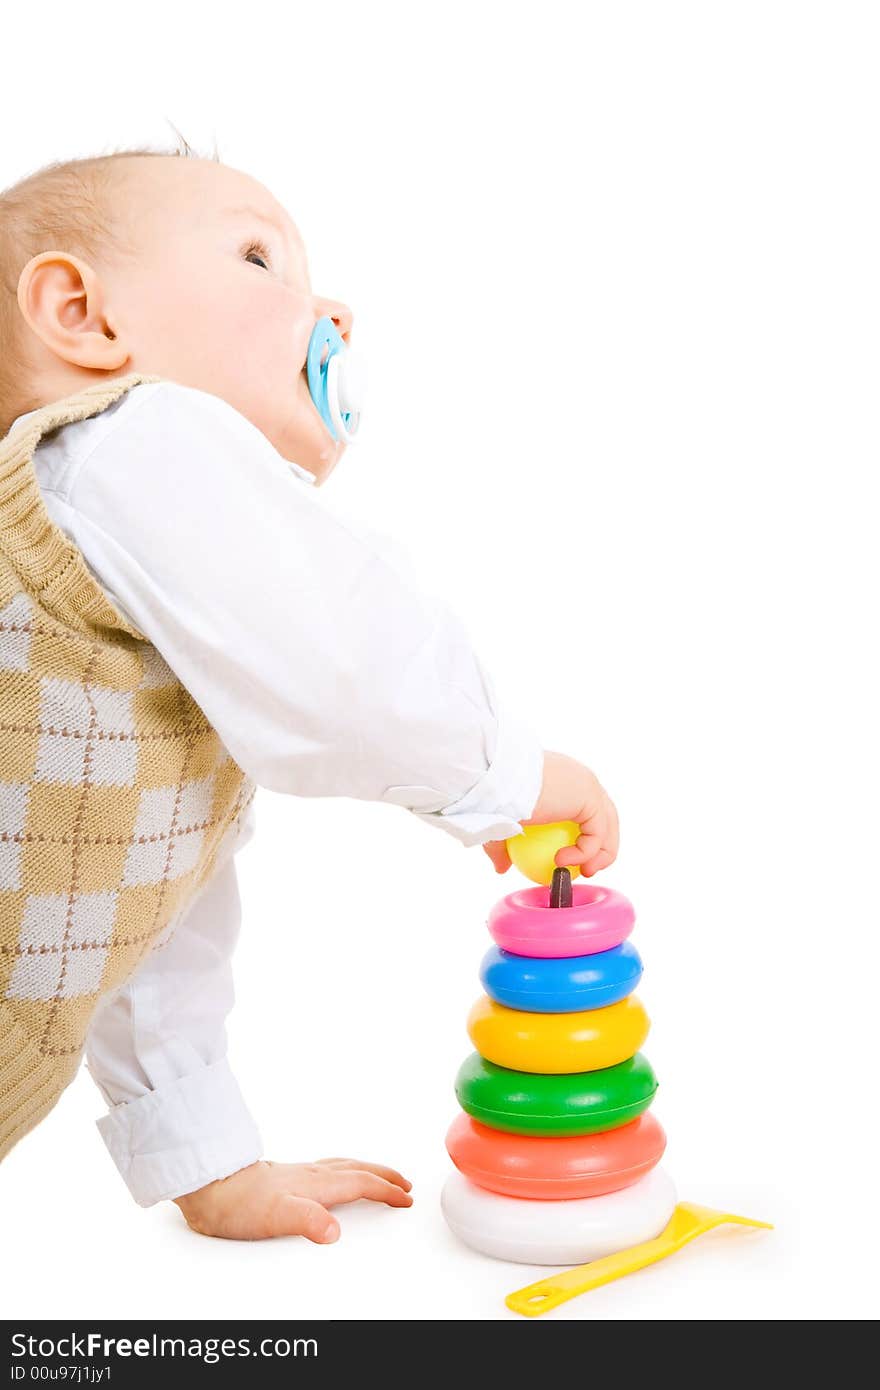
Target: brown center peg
point(560, 888)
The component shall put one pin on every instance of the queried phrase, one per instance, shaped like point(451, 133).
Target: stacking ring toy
point(582, 1041)
point(583, 1102)
point(557, 1233)
point(560, 984)
point(525, 924)
point(581, 1165)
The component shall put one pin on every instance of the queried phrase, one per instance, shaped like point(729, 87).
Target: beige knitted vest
point(115, 791)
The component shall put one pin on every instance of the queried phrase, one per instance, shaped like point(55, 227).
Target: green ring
point(583, 1102)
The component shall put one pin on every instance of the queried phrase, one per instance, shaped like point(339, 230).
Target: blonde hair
point(66, 206)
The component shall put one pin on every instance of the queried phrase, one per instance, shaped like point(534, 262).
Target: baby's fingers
point(349, 1184)
point(612, 843)
point(583, 847)
point(289, 1215)
point(600, 861)
point(390, 1174)
point(498, 853)
point(609, 843)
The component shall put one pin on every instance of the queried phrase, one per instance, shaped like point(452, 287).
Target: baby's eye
point(260, 251)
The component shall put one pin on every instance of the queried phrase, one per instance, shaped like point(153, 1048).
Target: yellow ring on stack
point(584, 1041)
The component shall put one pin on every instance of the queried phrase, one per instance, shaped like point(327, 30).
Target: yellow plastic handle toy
point(686, 1222)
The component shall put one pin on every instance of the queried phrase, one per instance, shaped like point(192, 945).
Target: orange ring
point(582, 1165)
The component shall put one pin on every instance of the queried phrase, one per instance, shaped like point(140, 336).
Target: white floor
point(764, 1096)
point(83, 1250)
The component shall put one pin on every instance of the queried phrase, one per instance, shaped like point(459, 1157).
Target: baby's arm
point(178, 1126)
point(311, 650)
point(156, 1049)
point(303, 636)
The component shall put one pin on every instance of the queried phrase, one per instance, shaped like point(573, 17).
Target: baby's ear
point(62, 299)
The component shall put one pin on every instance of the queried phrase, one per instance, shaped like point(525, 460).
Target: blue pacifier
point(336, 382)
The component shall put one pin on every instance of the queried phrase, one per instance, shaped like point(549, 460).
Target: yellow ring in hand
point(534, 851)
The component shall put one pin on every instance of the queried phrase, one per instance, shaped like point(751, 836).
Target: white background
point(615, 268)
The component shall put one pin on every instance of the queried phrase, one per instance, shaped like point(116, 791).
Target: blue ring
point(560, 984)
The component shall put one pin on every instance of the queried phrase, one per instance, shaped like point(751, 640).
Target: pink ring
point(525, 924)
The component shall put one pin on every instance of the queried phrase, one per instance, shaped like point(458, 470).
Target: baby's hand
point(289, 1199)
point(570, 791)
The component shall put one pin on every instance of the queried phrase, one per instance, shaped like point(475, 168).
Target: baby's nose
point(340, 313)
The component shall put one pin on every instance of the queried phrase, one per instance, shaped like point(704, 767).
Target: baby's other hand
point(289, 1199)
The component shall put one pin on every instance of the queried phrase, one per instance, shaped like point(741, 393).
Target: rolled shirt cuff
point(182, 1136)
point(492, 809)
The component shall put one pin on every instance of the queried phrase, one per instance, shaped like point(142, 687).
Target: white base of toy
point(557, 1233)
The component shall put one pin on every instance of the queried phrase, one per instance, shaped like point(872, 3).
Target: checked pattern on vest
point(97, 845)
point(116, 793)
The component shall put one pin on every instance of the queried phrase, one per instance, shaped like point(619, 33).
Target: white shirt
point(324, 669)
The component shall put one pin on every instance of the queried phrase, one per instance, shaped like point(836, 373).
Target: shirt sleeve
point(303, 636)
point(156, 1048)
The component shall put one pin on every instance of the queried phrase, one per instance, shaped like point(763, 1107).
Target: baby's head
point(176, 267)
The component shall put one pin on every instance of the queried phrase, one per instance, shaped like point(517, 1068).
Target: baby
point(183, 619)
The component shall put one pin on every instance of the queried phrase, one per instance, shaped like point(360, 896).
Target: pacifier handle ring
point(340, 421)
point(325, 334)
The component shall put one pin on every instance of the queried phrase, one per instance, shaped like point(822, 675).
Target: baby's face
point(219, 298)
